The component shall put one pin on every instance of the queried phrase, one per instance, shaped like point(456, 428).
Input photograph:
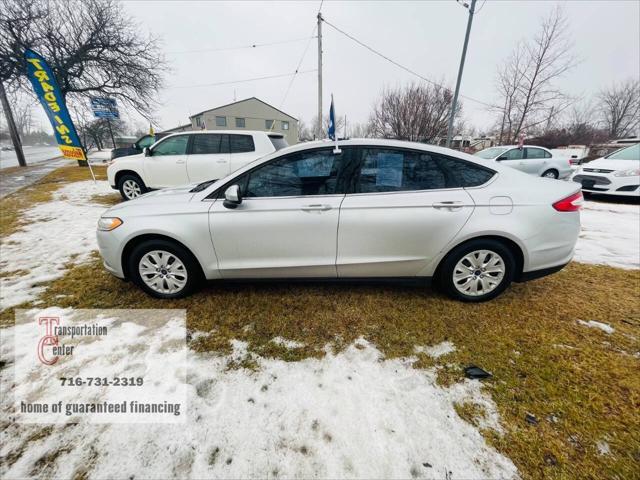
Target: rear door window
point(206, 143)
point(535, 153)
point(390, 170)
point(241, 143)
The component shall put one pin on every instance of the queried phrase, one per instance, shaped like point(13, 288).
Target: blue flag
point(332, 121)
point(48, 92)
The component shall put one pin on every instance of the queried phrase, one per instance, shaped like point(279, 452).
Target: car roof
point(236, 132)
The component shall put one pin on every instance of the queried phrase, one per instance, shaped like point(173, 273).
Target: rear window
point(241, 143)
point(278, 142)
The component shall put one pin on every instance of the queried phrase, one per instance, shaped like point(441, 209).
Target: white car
point(616, 174)
point(536, 161)
point(189, 157)
point(379, 208)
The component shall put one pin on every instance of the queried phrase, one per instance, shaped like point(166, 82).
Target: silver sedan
point(370, 209)
point(536, 161)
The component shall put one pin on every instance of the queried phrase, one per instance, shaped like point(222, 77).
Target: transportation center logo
point(45, 355)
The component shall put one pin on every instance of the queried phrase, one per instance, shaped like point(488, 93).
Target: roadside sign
point(104, 107)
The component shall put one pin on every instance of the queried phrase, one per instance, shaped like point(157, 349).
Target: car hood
point(611, 164)
point(172, 195)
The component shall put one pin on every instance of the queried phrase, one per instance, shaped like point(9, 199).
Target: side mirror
point(499, 159)
point(232, 197)
point(146, 151)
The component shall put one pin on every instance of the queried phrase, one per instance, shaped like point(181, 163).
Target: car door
point(513, 158)
point(208, 157)
point(287, 222)
point(406, 207)
point(166, 165)
point(535, 161)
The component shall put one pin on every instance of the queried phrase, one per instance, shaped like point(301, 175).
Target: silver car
point(536, 161)
point(373, 209)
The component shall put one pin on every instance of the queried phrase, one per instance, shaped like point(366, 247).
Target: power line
point(245, 80)
point(304, 53)
point(241, 47)
point(407, 69)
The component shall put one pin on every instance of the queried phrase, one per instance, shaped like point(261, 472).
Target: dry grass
point(106, 199)
point(12, 206)
point(581, 384)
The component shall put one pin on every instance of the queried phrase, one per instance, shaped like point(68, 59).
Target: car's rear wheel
point(477, 271)
point(131, 186)
point(551, 173)
point(164, 269)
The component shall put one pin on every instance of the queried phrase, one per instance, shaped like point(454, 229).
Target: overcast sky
point(425, 36)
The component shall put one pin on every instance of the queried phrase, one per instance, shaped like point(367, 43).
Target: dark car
point(137, 146)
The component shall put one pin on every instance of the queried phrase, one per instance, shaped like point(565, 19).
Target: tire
point(551, 173)
point(480, 250)
point(131, 186)
point(175, 278)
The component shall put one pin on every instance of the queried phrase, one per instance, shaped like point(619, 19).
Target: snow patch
point(436, 351)
point(352, 414)
point(56, 233)
point(289, 344)
point(603, 447)
point(605, 327)
point(610, 235)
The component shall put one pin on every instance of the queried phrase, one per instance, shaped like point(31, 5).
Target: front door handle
point(449, 205)
point(178, 162)
point(221, 161)
point(316, 207)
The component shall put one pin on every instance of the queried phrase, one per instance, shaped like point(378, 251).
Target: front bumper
point(608, 184)
point(109, 247)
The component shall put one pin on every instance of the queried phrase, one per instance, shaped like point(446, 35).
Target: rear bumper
point(533, 274)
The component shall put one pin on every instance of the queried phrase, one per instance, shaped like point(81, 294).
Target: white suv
point(190, 157)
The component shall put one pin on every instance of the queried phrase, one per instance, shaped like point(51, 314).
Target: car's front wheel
point(164, 269)
point(477, 271)
point(551, 173)
point(131, 186)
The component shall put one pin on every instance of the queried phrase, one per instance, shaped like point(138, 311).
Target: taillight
point(572, 203)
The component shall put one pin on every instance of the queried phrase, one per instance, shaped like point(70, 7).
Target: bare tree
point(304, 133)
point(359, 130)
point(619, 108)
point(416, 112)
point(322, 131)
point(92, 46)
point(526, 82)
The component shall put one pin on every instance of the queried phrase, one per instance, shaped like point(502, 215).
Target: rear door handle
point(316, 207)
point(449, 205)
point(221, 161)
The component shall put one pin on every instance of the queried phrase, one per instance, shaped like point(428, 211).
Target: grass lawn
point(580, 384)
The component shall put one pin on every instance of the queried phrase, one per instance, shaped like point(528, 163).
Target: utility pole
point(13, 131)
point(452, 114)
point(319, 127)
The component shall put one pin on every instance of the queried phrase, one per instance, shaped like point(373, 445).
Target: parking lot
point(563, 352)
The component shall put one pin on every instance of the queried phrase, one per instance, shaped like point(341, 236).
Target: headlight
point(106, 224)
point(634, 172)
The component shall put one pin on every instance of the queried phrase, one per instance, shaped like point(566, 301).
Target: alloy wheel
point(163, 272)
point(131, 189)
point(478, 273)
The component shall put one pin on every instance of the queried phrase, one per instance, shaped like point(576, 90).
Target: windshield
point(489, 153)
point(629, 153)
